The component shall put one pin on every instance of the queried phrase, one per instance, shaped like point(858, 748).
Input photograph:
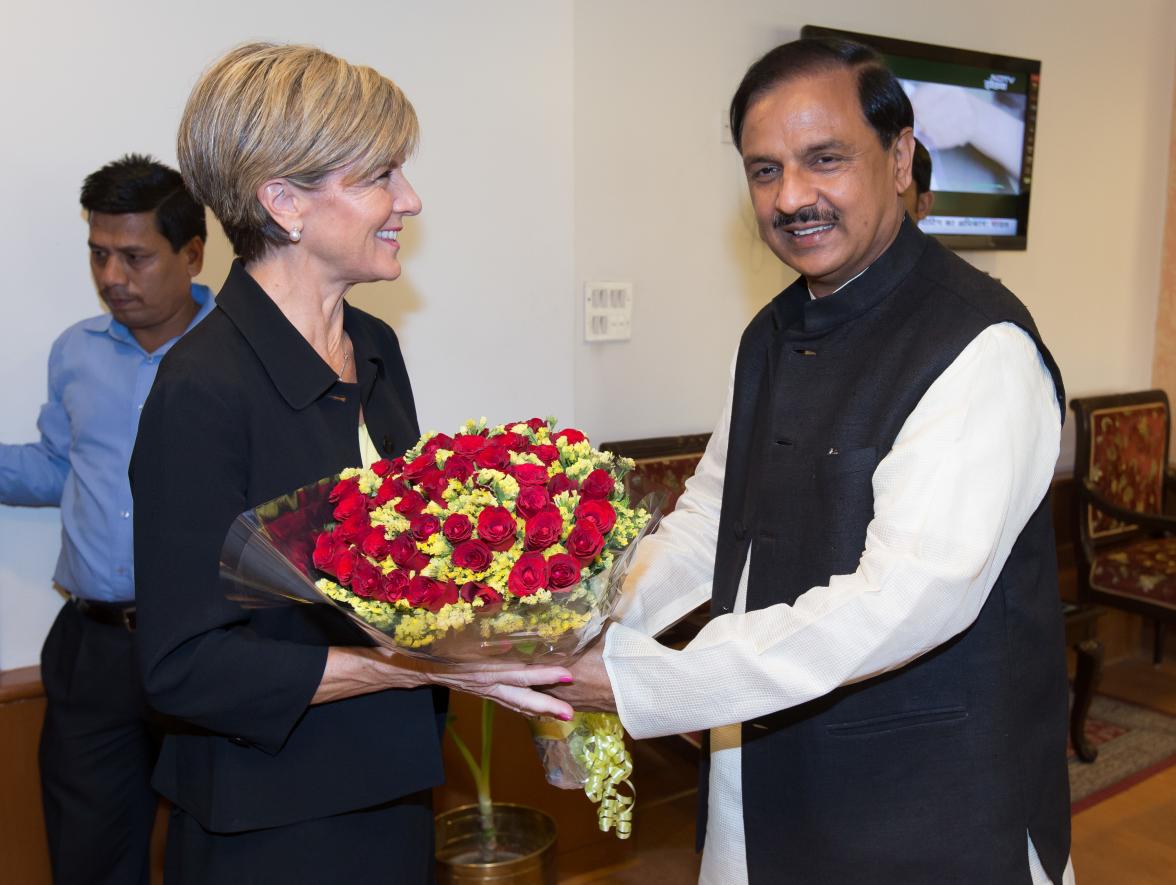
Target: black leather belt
point(113, 614)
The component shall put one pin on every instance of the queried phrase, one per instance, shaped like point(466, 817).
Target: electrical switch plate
point(608, 311)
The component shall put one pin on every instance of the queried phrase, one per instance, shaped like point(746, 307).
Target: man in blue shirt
point(146, 241)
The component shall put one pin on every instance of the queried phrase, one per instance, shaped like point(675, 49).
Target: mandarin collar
point(801, 315)
point(300, 375)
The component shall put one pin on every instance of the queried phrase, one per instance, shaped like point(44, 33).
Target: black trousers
point(391, 844)
point(97, 752)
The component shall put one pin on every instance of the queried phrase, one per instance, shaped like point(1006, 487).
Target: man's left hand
point(591, 691)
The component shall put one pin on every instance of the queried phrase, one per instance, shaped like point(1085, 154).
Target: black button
point(783, 442)
point(240, 742)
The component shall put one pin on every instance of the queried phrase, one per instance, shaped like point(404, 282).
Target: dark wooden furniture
point(1127, 544)
point(1081, 623)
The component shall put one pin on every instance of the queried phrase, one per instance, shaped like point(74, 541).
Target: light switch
point(608, 311)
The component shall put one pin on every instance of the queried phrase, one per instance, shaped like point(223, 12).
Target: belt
point(113, 614)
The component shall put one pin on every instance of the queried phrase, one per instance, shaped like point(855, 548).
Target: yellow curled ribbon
point(609, 765)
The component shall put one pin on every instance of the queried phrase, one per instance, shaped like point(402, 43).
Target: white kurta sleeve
point(968, 468)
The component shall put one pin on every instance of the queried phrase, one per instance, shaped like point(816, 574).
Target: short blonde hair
point(266, 110)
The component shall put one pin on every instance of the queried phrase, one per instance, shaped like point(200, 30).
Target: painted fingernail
point(566, 717)
point(566, 680)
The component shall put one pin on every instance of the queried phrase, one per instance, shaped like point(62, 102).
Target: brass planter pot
point(526, 847)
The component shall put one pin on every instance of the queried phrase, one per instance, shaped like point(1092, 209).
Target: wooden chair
point(1127, 545)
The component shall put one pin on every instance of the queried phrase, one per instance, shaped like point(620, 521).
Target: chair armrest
point(1088, 494)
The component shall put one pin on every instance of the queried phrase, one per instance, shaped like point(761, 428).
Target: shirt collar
point(297, 371)
point(108, 325)
point(794, 308)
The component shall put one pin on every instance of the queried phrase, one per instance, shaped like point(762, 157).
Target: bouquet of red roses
point(510, 540)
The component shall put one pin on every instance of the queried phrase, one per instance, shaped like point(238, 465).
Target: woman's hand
point(355, 671)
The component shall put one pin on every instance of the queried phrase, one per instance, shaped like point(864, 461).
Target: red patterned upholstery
point(1127, 448)
point(1144, 571)
point(665, 475)
point(1121, 464)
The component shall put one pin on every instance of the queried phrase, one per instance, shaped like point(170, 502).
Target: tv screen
point(976, 113)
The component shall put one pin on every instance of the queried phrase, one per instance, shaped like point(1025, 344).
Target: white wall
point(567, 141)
point(660, 201)
point(488, 264)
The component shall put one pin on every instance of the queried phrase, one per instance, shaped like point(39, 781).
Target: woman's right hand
point(352, 671)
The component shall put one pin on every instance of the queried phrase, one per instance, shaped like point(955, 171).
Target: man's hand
point(590, 690)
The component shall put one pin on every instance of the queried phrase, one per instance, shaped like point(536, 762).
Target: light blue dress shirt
point(99, 377)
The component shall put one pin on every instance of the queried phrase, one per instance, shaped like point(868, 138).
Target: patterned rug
point(1133, 744)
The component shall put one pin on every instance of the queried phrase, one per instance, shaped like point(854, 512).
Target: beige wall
point(1164, 365)
point(660, 200)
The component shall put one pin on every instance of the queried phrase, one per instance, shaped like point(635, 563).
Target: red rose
point(534, 424)
point(457, 528)
point(410, 504)
point(547, 453)
point(459, 467)
point(423, 526)
point(434, 485)
point(419, 467)
point(405, 554)
point(543, 529)
point(600, 513)
point(531, 500)
point(342, 489)
point(469, 444)
point(365, 580)
point(564, 572)
point(528, 575)
point(327, 548)
point(561, 483)
point(354, 528)
point(493, 458)
point(598, 484)
point(530, 474)
point(440, 441)
point(514, 442)
point(375, 544)
point(430, 594)
point(497, 528)
point(381, 467)
point(351, 504)
point(474, 555)
point(345, 566)
point(393, 585)
point(397, 465)
point(585, 542)
point(570, 436)
point(488, 595)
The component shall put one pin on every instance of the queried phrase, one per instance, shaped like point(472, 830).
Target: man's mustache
point(807, 215)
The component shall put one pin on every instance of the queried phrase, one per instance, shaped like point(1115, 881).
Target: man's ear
point(194, 255)
point(903, 152)
point(282, 201)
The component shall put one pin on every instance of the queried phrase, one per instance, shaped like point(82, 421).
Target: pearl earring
point(295, 234)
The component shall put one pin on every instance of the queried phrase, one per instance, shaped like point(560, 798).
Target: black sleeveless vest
point(934, 772)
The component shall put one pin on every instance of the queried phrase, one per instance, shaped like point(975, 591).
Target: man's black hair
point(140, 183)
point(884, 104)
point(921, 168)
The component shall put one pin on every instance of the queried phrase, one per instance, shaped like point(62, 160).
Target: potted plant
point(489, 841)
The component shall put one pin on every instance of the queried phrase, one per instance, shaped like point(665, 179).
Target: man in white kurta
point(952, 494)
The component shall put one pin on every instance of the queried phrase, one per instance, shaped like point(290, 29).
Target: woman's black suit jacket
point(243, 410)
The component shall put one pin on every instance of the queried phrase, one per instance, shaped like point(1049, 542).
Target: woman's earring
point(295, 234)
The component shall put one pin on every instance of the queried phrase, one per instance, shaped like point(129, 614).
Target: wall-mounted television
point(976, 112)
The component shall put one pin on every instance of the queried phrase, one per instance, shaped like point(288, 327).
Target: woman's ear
point(282, 201)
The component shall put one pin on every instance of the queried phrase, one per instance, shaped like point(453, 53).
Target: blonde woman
point(300, 754)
